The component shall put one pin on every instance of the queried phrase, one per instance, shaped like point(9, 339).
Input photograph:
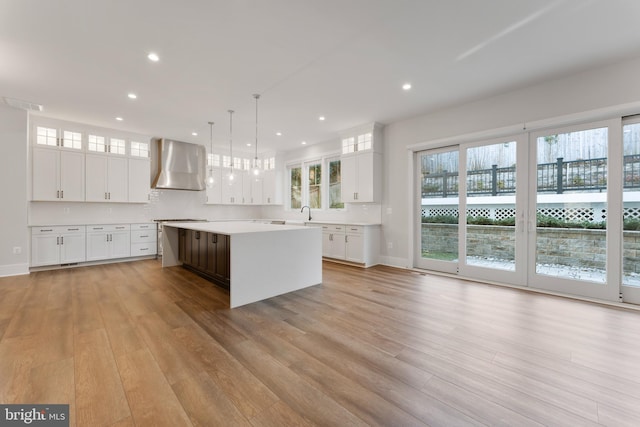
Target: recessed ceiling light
point(321, 118)
point(304, 143)
point(132, 95)
point(194, 133)
point(278, 133)
point(406, 86)
point(119, 119)
point(248, 144)
point(153, 57)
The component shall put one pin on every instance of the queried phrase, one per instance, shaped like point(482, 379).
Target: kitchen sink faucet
point(302, 210)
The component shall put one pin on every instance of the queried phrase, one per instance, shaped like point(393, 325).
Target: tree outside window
point(296, 187)
point(315, 186)
point(335, 185)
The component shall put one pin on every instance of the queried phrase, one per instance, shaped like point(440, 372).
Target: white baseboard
point(14, 269)
point(395, 262)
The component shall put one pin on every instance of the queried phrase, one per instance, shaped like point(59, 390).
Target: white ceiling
point(345, 59)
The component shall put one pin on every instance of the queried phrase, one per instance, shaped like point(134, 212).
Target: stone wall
point(572, 247)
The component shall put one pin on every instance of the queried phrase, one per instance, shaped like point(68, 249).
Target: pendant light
point(255, 169)
point(210, 178)
point(231, 177)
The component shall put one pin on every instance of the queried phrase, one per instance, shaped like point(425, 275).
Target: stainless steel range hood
point(178, 165)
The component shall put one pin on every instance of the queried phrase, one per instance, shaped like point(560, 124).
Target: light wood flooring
point(134, 344)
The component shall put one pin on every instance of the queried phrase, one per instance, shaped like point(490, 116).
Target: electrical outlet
point(389, 245)
point(67, 210)
point(17, 250)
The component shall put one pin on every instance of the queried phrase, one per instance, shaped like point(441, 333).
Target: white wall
point(13, 173)
point(597, 89)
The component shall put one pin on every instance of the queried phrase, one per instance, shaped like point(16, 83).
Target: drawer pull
point(143, 236)
point(144, 249)
point(73, 229)
point(43, 230)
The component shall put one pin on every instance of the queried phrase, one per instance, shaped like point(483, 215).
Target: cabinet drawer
point(58, 229)
point(109, 227)
point(149, 226)
point(143, 236)
point(355, 229)
point(141, 249)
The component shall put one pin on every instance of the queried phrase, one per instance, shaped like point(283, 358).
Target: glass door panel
point(572, 212)
point(631, 211)
point(494, 241)
point(491, 206)
point(438, 181)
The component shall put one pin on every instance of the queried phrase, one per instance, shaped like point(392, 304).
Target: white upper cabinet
point(361, 165)
point(57, 163)
point(74, 162)
point(57, 175)
point(139, 180)
point(106, 179)
point(214, 190)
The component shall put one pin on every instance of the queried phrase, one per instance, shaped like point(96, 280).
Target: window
point(335, 185)
point(357, 143)
point(226, 161)
point(46, 136)
point(311, 184)
point(348, 145)
point(315, 185)
point(139, 149)
point(72, 140)
point(97, 143)
point(117, 146)
point(295, 179)
point(213, 160)
point(364, 141)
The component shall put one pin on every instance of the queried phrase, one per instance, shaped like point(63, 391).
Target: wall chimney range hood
point(178, 165)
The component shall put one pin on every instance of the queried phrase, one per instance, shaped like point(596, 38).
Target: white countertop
point(233, 227)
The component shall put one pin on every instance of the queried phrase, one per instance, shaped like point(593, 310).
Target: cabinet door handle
point(346, 239)
point(62, 194)
point(62, 240)
point(57, 240)
point(105, 195)
point(197, 235)
point(58, 194)
point(214, 238)
point(109, 195)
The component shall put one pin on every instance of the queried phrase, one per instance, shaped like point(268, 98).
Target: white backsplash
point(363, 212)
point(164, 204)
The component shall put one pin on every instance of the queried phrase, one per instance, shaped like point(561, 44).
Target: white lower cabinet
point(108, 241)
point(57, 245)
point(144, 240)
point(358, 244)
point(333, 241)
point(354, 243)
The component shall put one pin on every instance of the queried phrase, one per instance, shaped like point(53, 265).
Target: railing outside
point(557, 177)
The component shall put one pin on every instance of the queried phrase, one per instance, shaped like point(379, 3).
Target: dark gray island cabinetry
point(207, 254)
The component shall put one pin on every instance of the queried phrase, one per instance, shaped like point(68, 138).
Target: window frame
point(304, 164)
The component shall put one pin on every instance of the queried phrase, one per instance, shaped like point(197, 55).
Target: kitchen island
point(256, 261)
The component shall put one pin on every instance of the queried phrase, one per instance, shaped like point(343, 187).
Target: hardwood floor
point(134, 344)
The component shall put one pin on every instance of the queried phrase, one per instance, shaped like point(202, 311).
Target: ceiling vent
point(23, 105)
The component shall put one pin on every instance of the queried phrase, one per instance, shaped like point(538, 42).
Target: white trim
point(397, 262)
point(14, 269)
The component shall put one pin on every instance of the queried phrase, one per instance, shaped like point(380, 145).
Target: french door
point(557, 210)
point(574, 239)
point(472, 217)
